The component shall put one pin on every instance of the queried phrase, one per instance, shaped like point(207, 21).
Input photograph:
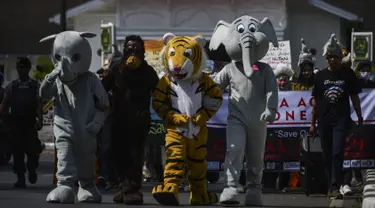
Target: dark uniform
point(22, 100)
point(23, 105)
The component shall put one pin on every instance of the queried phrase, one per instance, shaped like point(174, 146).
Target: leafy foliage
point(44, 67)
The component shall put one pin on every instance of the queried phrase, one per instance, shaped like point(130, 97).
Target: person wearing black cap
point(22, 97)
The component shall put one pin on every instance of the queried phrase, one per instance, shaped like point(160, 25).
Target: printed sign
point(295, 107)
point(291, 166)
point(346, 164)
point(367, 163)
point(270, 166)
point(279, 55)
point(107, 37)
point(362, 46)
point(153, 49)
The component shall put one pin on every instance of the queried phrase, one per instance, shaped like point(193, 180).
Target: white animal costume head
point(71, 54)
point(306, 54)
point(283, 74)
point(246, 39)
point(332, 47)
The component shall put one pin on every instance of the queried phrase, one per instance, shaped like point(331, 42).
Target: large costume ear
point(220, 32)
point(87, 34)
point(266, 28)
point(167, 37)
point(50, 37)
point(201, 41)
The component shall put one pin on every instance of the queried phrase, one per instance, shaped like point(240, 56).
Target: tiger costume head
point(183, 57)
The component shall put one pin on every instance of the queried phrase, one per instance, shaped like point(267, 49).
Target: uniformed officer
point(22, 100)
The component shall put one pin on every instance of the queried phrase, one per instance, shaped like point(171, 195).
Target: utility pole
point(63, 15)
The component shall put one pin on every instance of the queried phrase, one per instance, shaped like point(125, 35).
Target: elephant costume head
point(246, 39)
point(71, 54)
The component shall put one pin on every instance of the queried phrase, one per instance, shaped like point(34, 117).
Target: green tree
point(44, 67)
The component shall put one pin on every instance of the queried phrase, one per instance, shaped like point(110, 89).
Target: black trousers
point(128, 144)
point(348, 175)
point(333, 137)
point(153, 156)
point(25, 141)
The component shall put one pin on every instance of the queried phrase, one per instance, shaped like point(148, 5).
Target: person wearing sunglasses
point(333, 87)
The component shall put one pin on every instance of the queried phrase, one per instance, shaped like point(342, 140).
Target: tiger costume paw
point(166, 194)
point(203, 199)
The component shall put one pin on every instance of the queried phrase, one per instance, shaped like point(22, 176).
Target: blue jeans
point(107, 167)
point(333, 137)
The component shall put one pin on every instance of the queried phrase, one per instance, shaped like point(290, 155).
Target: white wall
point(153, 18)
point(312, 24)
point(91, 23)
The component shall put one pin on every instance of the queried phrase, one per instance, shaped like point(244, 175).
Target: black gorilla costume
point(132, 82)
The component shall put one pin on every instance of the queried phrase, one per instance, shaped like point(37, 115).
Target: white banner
point(295, 110)
point(280, 55)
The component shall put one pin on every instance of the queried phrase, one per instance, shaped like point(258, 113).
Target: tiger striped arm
point(161, 101)
point(212, 100)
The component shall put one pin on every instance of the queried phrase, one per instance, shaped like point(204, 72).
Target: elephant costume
point(81, 103)
point(253, 101)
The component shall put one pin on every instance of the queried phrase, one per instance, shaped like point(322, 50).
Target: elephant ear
point(200, 40)
point(50, 37)
point(220, 32)
point(87, 34)
point(266, 28)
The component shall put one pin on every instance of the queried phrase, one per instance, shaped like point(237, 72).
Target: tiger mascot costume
point(179, 99)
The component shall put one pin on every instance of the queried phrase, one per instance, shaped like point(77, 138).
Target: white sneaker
point(346, 190)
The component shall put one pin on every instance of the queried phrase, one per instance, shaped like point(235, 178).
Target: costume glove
point(51, 77)
point(268, 115)
point(178, 119)
point(198, 120)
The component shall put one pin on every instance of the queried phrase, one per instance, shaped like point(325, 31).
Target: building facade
point(151, 19)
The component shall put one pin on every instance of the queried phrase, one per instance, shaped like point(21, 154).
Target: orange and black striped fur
point(186, 135)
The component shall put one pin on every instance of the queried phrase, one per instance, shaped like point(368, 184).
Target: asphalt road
point(34, 195)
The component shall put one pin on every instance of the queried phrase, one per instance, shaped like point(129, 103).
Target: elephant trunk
point(247, 46)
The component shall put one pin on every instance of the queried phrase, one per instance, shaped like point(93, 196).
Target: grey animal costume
point(253, 100)
point(81, 102)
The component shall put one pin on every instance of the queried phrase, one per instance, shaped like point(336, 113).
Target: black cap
point(23, 63)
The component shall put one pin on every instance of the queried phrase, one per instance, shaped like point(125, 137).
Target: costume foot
point(89, 194)
point(229, 196)
point(33, 177)
point(19, 184)
point(254, 197)
point(119, 196)
point(166, 194)
point(203, 198)
point(133, 198)
point(61, 194)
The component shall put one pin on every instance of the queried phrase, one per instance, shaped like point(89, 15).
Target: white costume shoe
point(61, 194)
point(229, 196)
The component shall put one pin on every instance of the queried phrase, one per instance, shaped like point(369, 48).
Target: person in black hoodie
point(132, 82)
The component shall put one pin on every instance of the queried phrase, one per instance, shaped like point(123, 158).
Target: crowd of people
point(304, 78)
point(123, 138)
